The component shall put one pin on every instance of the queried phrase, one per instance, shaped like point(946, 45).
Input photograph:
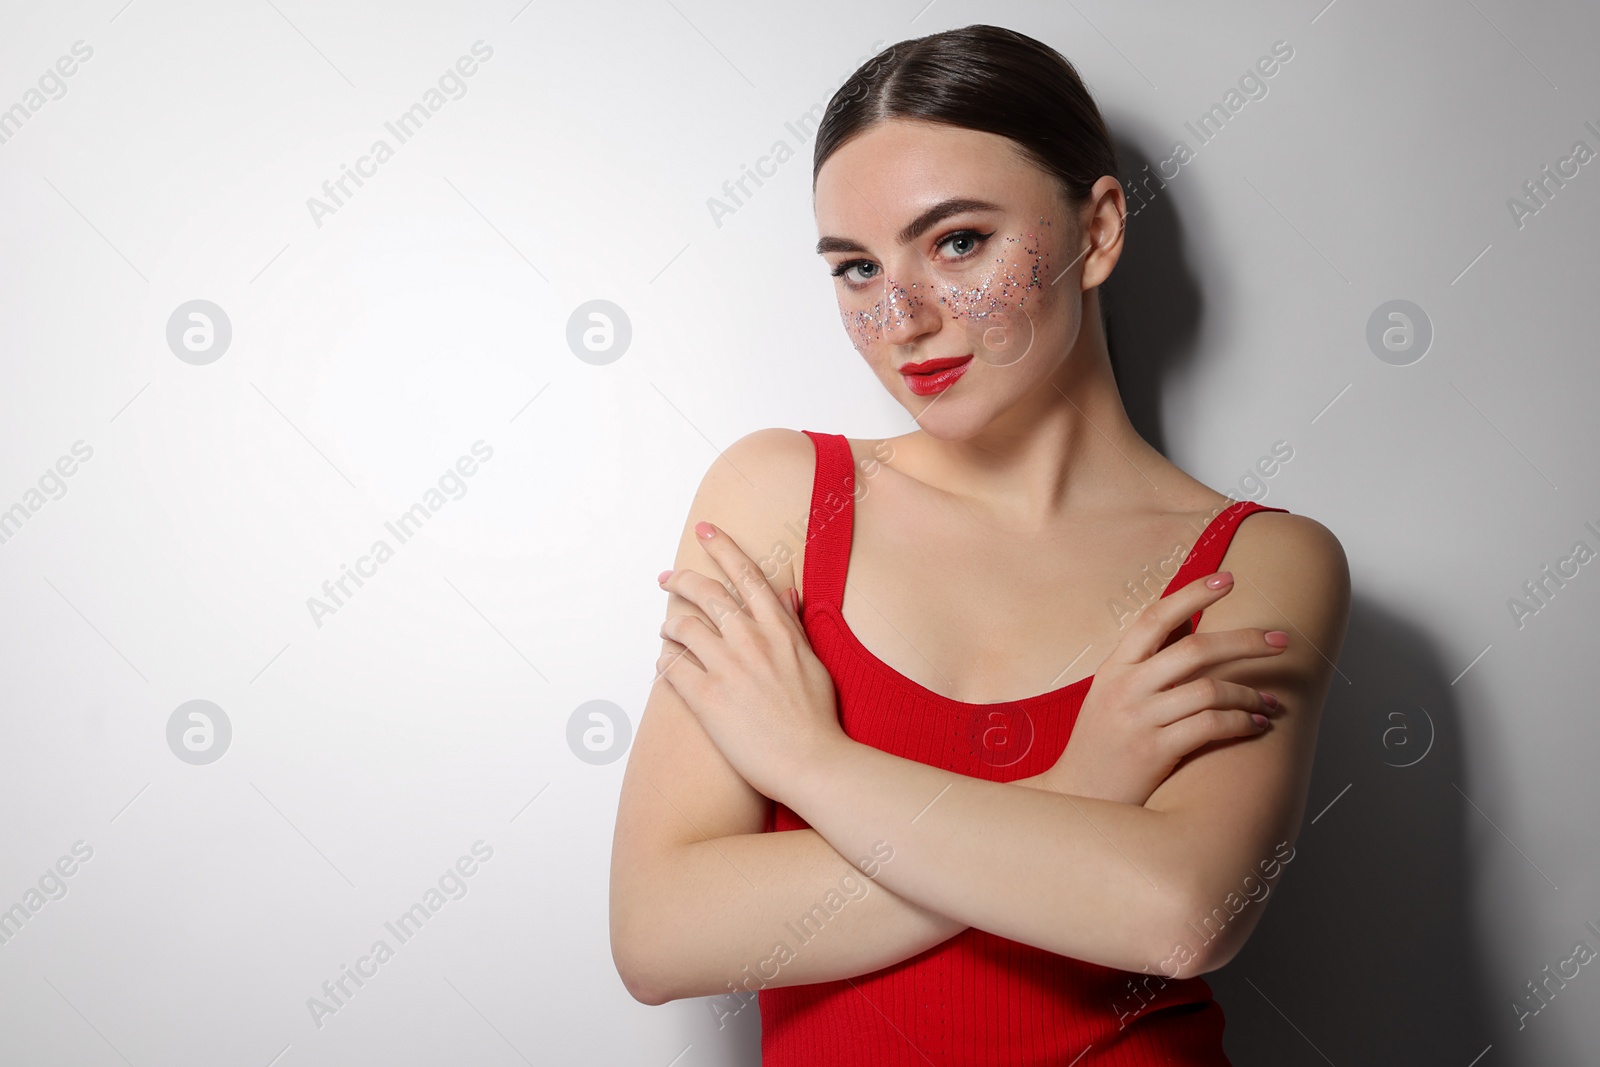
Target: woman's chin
point(945, 420)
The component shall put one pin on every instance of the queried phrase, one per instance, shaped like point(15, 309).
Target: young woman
point(851, 793)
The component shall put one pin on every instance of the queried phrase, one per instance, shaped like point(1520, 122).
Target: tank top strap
point(828, 527)
point(1211, 546)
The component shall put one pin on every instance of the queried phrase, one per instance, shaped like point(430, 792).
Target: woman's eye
point(856, 265)
point(965, 242)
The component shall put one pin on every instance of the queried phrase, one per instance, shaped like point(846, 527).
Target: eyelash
point(980, 237)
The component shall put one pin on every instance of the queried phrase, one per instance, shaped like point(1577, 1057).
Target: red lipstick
point(934, 375)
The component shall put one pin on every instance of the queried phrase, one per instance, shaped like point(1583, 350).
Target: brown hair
point(985, 78)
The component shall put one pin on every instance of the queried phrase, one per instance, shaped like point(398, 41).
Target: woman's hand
point(1147, 709)
point(749, 676)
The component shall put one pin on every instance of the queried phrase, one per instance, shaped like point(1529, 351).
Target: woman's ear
point(1104, 222)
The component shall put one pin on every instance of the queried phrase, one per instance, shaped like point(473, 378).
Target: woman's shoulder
point(1294, 546)
point(782, 456)
point(1295, 556)
point(790, 456)
point(1288, 533)
point(758, 489)
point(1277, 531)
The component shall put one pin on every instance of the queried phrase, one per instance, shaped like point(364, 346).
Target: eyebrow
point(955, 205)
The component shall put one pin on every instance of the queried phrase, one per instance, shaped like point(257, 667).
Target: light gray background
point(431, 311)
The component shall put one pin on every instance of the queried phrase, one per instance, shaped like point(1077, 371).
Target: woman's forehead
point(881, 179)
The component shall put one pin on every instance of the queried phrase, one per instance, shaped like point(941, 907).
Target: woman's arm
point(698, 893)
point(702, 900)
point(1115, 884)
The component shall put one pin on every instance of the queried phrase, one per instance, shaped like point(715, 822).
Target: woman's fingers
point(1204, 727)
point(711, 597)
point(699, 640)
point(679, 658)
point(747, 593)
point(1202, 694)
point(1186, 658)
point(750, 584)
point(1156, 622)
point(1163, 665)
point(692, 640)
point(671, 649)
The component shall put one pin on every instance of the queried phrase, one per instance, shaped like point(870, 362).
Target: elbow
point(1202, 933)
point(1219, 956)
point(640, 989)
point(1215, 955)
point(657, 955)
point(631, 949)
point(1168, 948)
point(641, 980)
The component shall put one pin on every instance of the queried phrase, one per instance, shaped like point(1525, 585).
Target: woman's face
point(946, 245)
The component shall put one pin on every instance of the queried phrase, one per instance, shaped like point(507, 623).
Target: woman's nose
point(907, 310)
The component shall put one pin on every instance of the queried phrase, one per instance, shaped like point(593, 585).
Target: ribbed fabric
point(976, 999)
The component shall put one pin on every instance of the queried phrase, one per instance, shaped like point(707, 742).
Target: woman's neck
point(1066, 450)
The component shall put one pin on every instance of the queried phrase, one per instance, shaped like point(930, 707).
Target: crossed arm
point(700, 897)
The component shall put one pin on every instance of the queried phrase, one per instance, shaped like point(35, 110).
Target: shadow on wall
point(1151, 302)
point(1367, 952)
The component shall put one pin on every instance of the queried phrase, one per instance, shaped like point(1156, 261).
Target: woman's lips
point(934, 375)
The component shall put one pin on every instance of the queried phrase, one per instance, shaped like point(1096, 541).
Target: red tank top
point(976, 998)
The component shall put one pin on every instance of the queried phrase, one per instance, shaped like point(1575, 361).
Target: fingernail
point(1260, 720)
point(662, 577)
point(1219, 579)
point(1277, 638)
point(705, 530)
point(1268, 699)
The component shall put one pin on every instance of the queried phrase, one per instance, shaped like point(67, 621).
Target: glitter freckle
point(977, 302)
